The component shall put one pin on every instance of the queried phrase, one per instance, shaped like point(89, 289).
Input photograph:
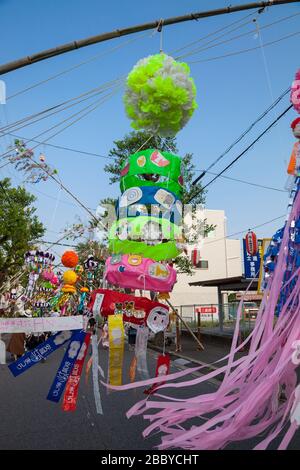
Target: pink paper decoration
point(295, 92)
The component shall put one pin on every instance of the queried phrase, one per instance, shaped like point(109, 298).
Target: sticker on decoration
point(158, 159)
point(158, 319)
point(141, 161)
point(130, 196)
point(134, 260)
point(159, 271)
point(164, 198)
point(125, 170)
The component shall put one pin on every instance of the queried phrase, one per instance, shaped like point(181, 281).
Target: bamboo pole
point(185, 324)
point(62, 49)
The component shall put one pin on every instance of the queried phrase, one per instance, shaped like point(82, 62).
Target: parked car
point(250, 310)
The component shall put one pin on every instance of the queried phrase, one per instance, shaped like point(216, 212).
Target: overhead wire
point(269, 25)
point(247, 182)
point(243, 152)
point(243, 51)
point(90, 107)
point(59, 107)
point(214, 32)
point(70, 69)
point(244, 133)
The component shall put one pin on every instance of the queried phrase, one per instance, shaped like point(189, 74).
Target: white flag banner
point(40, 324)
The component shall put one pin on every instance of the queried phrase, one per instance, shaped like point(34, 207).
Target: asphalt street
point(29, 421)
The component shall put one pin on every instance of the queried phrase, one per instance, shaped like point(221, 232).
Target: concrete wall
point(224, 260)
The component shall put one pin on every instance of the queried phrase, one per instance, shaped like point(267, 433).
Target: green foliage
point(19, 227)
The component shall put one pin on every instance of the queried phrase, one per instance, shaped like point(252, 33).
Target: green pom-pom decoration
point(160, 95)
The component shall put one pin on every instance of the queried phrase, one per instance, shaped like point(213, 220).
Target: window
point(202, 264)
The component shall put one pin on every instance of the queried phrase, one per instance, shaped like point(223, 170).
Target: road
point(29, 421)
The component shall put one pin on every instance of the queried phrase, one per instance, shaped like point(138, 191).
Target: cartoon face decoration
point(158, 319)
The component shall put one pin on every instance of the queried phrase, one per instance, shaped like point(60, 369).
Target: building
point(220, 258)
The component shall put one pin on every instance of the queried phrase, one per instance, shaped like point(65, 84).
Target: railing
point(217, 318)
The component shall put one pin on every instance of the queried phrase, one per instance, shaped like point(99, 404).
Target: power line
point(245, 50)
point(65, 71)
point(60, 147)
point(214, 32)
point(87, 95)
point(196, 51)
point(243, 134)
point(247, 182)
point(244, 151)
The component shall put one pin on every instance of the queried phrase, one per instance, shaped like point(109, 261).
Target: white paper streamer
point(141, 352)
point(95, 369)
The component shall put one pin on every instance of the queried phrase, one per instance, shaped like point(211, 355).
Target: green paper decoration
point(145, 228)
point(160, 252)
point(151, 162)
point(160, 95)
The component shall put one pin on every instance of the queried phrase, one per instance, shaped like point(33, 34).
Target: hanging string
point(269, 83)
point(160, 30)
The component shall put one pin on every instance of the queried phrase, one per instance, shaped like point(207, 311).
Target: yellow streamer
point(116, 348)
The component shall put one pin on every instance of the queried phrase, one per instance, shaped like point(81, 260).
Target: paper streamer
point(141, 352)
point(132, 369)
point(116, 348)
point(71, 393)
point(66, 366)
point(95, 369)
point(162, 369)
point(43, 350)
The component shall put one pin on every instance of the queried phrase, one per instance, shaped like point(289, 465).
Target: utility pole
point(62, 49)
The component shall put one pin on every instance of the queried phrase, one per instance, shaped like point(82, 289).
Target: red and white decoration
point(251, 243)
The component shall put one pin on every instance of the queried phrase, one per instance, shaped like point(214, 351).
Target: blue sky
point(232, 92)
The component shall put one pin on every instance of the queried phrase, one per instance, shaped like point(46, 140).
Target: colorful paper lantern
point(251, 243)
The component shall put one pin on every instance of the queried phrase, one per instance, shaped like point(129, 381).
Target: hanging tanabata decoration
point(295, 92)
point(23, 160)
point(260, 393)
point(251, 243)
point(160, 95)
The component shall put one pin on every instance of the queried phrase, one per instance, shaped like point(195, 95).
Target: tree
point(19, 227)
point(192, 194)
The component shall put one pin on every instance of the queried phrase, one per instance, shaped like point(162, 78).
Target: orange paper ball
point(69, 259)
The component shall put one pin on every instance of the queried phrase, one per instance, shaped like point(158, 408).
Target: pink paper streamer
point(247, 402)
